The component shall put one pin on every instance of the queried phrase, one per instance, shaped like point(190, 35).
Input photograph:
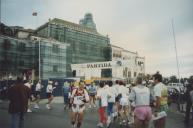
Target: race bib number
point(79, 98)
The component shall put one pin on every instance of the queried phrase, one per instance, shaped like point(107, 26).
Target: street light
point(39, 61)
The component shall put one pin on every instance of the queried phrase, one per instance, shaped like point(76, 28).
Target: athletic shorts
point(78, 108)
point(92, 95)
point(124, 102)
point(48, 95)
point(164, 108)
point(143, 113)
point(37, 93)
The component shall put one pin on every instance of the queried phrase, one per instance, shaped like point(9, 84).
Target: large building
point(124, 65)
point(86, 44)
point(136, 66)
point(22, 56)
point(61, 44)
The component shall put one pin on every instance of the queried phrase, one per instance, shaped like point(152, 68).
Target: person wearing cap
point(140, 94)
point(78, 99)
point(49, 93)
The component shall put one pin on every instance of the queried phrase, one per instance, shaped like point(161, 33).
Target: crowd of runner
point(137, 104)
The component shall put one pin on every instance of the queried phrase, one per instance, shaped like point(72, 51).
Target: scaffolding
point(18, 56)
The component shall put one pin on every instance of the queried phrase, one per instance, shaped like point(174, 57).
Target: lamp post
point(39, 60)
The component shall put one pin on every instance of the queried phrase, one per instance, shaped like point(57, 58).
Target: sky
point(142, 26)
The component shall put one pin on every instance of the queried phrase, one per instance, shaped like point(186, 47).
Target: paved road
point(59, 118)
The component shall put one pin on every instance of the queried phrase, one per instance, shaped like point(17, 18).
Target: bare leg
point(80, 118)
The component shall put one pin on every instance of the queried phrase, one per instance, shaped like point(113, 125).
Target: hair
point(19, 79)
point(158, 77)
point(101, 84)
point(139, 80)
point(121, 83)
point(117, 81)
point(110, 83)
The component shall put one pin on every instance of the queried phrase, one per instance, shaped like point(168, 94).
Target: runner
point(102, 96)
point(37, 94)
point(66, 94)
point(117, 98)
point(49, 93)
point(161, 96)
point(78, 99)
point(141, 96)
point(123, 103)
point(92, 94)
point(111, 102)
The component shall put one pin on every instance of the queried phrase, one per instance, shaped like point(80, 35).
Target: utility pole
point(176, 51)
point(39, 61)
point(0, 17)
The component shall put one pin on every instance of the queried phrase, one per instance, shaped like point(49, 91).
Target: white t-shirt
point(78, 99)
point(160, 90)
point(140, 95)
point(116, 86)
point(112, 93)
point(102, 93)
point(124, 91)
point(38, 87)
point(49, 88)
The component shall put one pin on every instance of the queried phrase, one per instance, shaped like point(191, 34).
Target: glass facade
point(86, 44)
point(22, 56)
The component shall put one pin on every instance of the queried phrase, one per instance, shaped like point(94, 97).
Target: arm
point(86, 96)
point(72, 96)
point(157, 105)
point(132, 95)
point(157, 93)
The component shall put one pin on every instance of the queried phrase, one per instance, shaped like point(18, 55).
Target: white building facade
point(124, 65)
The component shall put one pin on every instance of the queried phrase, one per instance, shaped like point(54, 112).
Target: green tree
point(173, 79)
point(190, 80)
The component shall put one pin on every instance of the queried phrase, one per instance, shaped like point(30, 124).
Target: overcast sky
point(144, 26)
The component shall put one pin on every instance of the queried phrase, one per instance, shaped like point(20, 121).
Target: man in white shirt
point(102, 96)
point(49, 91)
point(141, 96)
point(161, 99)
point(37, 94)
point(111, 101)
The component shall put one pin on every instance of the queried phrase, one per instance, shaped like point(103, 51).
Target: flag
point(34, 14)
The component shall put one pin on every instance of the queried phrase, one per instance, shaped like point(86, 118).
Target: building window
point(21, 63)
point(55, 68)
point(21, 47)
point(135, 74)
point(55, 48)
point(129, 73)
point(7, 44)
